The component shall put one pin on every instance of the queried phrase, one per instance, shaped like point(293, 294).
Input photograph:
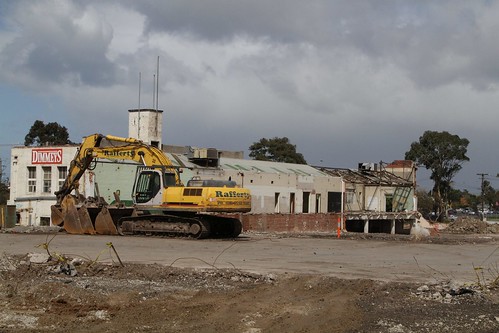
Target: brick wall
point(293, 223)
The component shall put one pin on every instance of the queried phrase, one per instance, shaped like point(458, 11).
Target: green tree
point(425, 202)
point(276, 150)
point(41, 134)
point(4, 186)
point(489, 194)
point(4, 192)
point(443, 154)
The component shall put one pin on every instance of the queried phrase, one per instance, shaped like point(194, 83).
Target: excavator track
point(198, 226)
point(165, 225)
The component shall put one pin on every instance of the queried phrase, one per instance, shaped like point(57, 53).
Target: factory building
point(285, 197)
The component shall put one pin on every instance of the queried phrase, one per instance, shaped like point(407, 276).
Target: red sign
point(46, 156)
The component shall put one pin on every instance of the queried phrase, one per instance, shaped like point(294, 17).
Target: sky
point(345, 81)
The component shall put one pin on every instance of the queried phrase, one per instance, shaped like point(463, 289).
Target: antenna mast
point(157, 84)
point(154, 91)
point(138, 109)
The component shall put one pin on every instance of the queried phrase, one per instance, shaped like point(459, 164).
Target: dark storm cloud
point(435, 43)
point(59, 44)
point(219, 20)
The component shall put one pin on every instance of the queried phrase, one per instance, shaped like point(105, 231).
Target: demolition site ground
point(45, 290)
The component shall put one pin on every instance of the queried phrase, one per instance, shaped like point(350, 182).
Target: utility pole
point(482, 175)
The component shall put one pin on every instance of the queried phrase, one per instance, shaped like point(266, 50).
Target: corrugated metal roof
point(269, 167)
point(236, 164)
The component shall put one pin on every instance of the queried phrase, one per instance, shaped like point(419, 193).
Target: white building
point(36, 173)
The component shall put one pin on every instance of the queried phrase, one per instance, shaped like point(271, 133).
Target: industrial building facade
point(285, 197)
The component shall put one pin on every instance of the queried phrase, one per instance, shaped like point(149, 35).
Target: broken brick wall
point(293, 223)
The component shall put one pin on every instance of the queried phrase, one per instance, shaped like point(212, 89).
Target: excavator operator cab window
point(169, 179)
point(148, 185)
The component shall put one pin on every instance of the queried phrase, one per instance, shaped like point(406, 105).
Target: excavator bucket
point(104, 224)
point(74, 220)
point(70, 216)
point(85, 221)
point(56, 215)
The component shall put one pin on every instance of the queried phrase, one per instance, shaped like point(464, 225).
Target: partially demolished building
point(379, 197)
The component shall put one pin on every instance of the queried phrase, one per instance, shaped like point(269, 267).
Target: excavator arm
point(77, 219)
point(113, 148)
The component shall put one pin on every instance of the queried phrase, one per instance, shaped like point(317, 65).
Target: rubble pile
point(447, 292)
point(471, 225)
point(21, 229)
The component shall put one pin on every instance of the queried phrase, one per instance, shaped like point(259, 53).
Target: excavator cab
point(147, 186)
point(149, 183)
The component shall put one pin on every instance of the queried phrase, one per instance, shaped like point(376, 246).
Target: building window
point(63, 173)
point(334, 202)
point(47, 179)
point(31, 179)
point(388, 203)
point(45, 221)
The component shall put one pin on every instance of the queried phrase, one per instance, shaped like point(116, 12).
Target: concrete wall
point(146, 125)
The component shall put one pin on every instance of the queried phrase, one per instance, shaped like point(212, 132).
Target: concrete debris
point(471, 225)
point(7, 264)
point(25, 321)
point(38, 258)
point(21, 229)
point(77, 261)
point(101, 314)
point(445, 292)
point(64, 268)
point(392, 327)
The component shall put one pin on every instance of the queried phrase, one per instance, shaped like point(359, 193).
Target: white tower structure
point(146, 125)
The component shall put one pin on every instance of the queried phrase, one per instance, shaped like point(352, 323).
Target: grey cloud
point(144, 61)
point(220, 20)
point(435, 43)
point(53, 47)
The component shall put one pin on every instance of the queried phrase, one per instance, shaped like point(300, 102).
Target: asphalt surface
point(408, 261)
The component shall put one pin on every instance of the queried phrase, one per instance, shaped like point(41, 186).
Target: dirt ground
point(42, 293)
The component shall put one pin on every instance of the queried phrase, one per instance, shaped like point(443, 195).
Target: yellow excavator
point(162, 203)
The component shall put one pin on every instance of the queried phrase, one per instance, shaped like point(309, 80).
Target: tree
point(489, 194)
point(4, 192)
point(276, 150)
point(443, 154)
point(425, 202)
point(49, 134)
point(4, 186)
